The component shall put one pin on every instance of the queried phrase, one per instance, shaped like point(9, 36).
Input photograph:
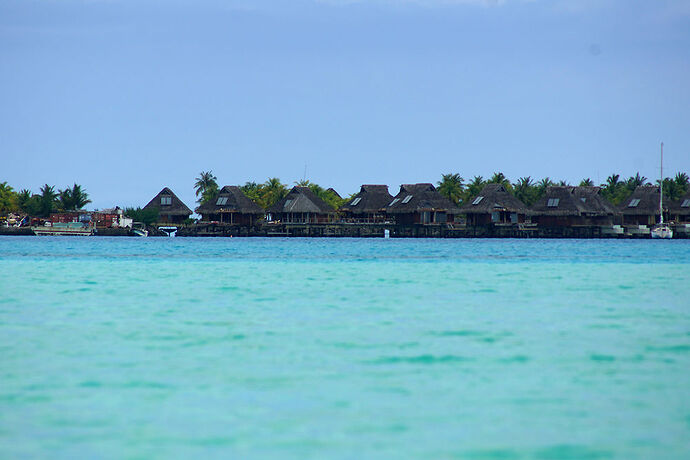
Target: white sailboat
point(662, 230)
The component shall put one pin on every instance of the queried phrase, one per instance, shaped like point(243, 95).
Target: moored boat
point(662, 230)
point(139, 231)
point(63, 229)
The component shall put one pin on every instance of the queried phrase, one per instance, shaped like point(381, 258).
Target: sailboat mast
point(661, 187)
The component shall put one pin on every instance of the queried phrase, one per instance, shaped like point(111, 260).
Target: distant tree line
point(266, 194)
point(527, 190)
point(43, 203)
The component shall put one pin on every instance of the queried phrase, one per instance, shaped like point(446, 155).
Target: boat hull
point(54, 231)
point(662, 233)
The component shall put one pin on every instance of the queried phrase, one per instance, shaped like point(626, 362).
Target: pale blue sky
point(128, 96)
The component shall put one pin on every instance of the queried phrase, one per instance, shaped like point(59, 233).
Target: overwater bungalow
point(301, 205)
point(231, 206)
point(171, 210)
point(420, 204)
point(642, 207)
point(567, 206)
point(367, 206)
point(494, 205)
point(679, 211)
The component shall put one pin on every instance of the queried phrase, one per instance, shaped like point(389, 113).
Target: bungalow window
point(407, 199)
point(394, 201)
point(477, 200)
point(513, 218)
point(686, 203)
point(166, 200)
point(553, 202)
point(222, 201)
point(426, 217)
point(634, 202)
point(495, 216)
point(356, 201)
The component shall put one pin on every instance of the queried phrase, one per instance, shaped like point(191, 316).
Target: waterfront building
point(231, 206)
point(567, 206)
point(494, 205)
point(420, 204)
point(302, 206)
point(642, 207)
point(679, 211)
point(368, 205)
point(171, 210)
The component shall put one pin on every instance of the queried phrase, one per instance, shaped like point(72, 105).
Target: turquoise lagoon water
point(344, 348)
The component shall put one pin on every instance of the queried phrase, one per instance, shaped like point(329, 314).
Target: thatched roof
point(572, 201)
point(419, 197)
point(494, 197)
point(301, 199)
point(370, 199)
point(175, 208)
point(594, 199)
point(681, 207)
point(643, 201)
point(230, 198)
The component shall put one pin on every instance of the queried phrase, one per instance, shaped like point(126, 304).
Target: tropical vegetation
point(273, 190)
point(452, 185)
point(42, 204)
point(146, 216)
point(528, 190)
point(206, 187)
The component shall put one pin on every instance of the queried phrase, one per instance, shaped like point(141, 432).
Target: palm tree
point(675, 188)
point(252, 190)
point(614, 190)
point(635, 181)
point(7, 198)
point(5, 188)
point(27, 202)
point(586, 182)
point(612, 182)
point(73, 199)
point(47, 200)
point(525, 190)
point(273, 191)
point(79, 197)
point(497, 178)
point(474, 188)
point(500, 178)
point(543, 184)
point(683, 181)
point(65, 199)
point(206, 186)
point(451, 186)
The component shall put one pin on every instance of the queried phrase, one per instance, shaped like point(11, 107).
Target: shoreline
point(350, 230)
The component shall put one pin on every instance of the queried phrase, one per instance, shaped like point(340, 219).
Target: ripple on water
point(458, 333)
point(682, 348)
point(421, 359)
point(572, 452)
point(600, 357)
point(515, 359)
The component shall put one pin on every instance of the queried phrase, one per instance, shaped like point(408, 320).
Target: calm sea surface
point(344, 348)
